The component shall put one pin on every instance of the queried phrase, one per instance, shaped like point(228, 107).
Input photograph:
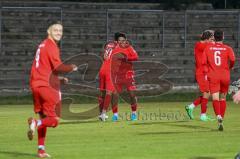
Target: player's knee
point(133, 99)
point(55, 122)
point(108, 92)
point(223, 96)
point(42, 115)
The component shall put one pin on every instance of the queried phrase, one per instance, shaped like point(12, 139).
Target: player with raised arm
point(106, 86)
point(218, 59)
point(206, 38)
point(45, 85)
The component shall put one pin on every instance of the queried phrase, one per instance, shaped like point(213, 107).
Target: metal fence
point(180, 28)
point(169, 34)
point(172, 28)
point(23, 21)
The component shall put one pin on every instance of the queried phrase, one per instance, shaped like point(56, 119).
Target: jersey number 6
point(217, 58)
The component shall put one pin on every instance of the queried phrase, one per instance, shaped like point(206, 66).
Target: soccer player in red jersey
point(123, 73)
point(45, 85)
point(109, 89)
point(219, 59)
point(206, 38)
point(105, 81)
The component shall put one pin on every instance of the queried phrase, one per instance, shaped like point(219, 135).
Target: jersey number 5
point(217, 58)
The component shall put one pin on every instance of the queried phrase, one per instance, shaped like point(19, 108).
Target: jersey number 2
point(217, 58)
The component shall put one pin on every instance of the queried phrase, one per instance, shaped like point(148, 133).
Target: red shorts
point(203, 82)
point(105, 81)
point(45, 100)
point(125, 81)
point(219, 83)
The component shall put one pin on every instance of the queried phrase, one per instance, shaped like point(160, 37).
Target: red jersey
point(47, 63)
point(217, 57)
point(118, 66)
point(126, 65)
point(108, 52)
point(198, 54)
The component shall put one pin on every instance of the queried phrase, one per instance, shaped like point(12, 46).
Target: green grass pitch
point(163, 131)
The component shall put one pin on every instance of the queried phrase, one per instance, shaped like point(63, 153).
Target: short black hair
point(118, 35)
point(218, 35)
point(207, 34)
point(50, 23)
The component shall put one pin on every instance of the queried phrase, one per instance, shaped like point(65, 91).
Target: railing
point(26, 9)
point(18, 24)
point(163, 29)
point(208, 20)
point(166, 33)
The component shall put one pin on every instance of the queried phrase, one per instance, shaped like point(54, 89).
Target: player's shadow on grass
point(167, 132)
point(18, 154)
point(79, 122)
point(159, 122)
point(203, 157)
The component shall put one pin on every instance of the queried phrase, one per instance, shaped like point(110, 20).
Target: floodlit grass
point(163, 131)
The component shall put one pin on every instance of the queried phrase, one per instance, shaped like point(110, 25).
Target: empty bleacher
point(165, 36)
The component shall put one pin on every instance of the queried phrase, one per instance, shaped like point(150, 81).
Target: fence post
point(238, 33)
point(61, 19)
point(2, 8)
point(107, 24)
point(163, 28)
point(1, 30)
point(185, 30)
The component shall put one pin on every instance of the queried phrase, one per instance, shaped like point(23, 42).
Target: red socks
point(42, 129)
point(115, 109)
point(216, 107)
point(223, 106)
point(134, 107)
point(204, 102)
point(100, 103)
point(42, 135)
point(219, 107)
point(197, 101)
point(107, 101)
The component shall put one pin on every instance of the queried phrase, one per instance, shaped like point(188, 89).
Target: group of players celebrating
point(214, 61)
point(117, 74)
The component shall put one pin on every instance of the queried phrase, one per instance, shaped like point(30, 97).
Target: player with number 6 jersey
point(218, 60)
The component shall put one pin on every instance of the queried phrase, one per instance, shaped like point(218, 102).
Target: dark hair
point(207, 34)
point(118, 35)
point(50, 23)
point(218, 35)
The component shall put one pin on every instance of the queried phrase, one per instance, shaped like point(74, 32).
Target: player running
point(45, 85)
point(219, 59)
point(206, 38)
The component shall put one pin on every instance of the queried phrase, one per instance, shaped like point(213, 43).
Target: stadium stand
point(157, 35)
